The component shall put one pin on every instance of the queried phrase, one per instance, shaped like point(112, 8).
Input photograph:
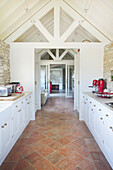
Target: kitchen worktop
point(13, 97)
point(6, 103)
point(100, 100)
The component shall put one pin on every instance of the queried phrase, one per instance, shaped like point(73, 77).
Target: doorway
point(57, 74)
point(57, 80)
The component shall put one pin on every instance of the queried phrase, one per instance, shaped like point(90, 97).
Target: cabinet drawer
point(6, 114)
point(108, 116)
point(16, 107)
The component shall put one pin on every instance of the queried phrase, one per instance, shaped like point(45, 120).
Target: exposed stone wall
point(108, 65)
point(4, 63)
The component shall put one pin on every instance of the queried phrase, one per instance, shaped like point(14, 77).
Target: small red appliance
point(94, 82)
point(100, 85)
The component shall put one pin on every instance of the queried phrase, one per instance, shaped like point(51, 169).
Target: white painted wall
point(23, 67)
point(91, 67)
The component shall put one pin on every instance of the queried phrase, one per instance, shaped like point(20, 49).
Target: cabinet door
point(99, 127)
point(108, 139)
point(26, 110)
point(8, 132)
point(91, 118)
point(20, 119)
point(15, 124)
point(2, 139)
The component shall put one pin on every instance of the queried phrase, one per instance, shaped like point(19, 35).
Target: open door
point(37, 85)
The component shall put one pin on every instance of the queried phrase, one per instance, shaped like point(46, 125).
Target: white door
point(37, 87)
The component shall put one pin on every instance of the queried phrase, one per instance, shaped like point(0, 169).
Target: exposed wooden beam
point(42, 52)
point(94, 32)
point(105, 38)
point(19, 32)
point(68, 10)
point(57, 53)
point(43, 11)
point(51, 54)
point(63, 54)
point(43, 8)
point(68, 32)
point(43, 30)
point(72, 52)
point(56, 20)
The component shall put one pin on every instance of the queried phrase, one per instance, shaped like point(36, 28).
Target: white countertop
point(101, 100)
point(5, 104)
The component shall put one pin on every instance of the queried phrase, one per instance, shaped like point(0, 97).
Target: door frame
point(66, 62)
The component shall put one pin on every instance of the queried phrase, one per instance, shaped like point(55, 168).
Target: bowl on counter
point(104, 94)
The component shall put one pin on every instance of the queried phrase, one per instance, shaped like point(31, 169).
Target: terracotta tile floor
point(56, 140)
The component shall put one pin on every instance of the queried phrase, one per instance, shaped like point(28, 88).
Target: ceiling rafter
point(44, 31)
point(63, 54)
point(69, 10)
point(100, 34)
point(68, 32)
point(51, 54)
point(43, 9)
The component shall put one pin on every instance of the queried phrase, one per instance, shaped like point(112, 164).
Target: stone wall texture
point(4, 63)
point(108, 65)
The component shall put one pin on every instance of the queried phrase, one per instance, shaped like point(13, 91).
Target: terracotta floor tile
point(49, 134)
point(14, 156)
point(56, 140)
point(98, 156)
point(83, 151)
point(87, 165)
point(33, 157)
point(71, 137)
point(73, 146)
point(46, 151)
point(55, 145)
point(64, 151)
point(27, 151)
point(54, 157)
point(75, 158)
point(29, 168)
point(102, 165)
point(7, 166)
point(56, 137)
point(47, 141)
point(65, 164)
point(63, 141)
point(21, 164)
point(37, 146)
point(44, 165)
point(80, 141)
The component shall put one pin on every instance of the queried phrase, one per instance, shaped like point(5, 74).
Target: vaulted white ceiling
point(39, 20)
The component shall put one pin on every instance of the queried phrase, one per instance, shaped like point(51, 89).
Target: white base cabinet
point(13, 121)
point(99, 120)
